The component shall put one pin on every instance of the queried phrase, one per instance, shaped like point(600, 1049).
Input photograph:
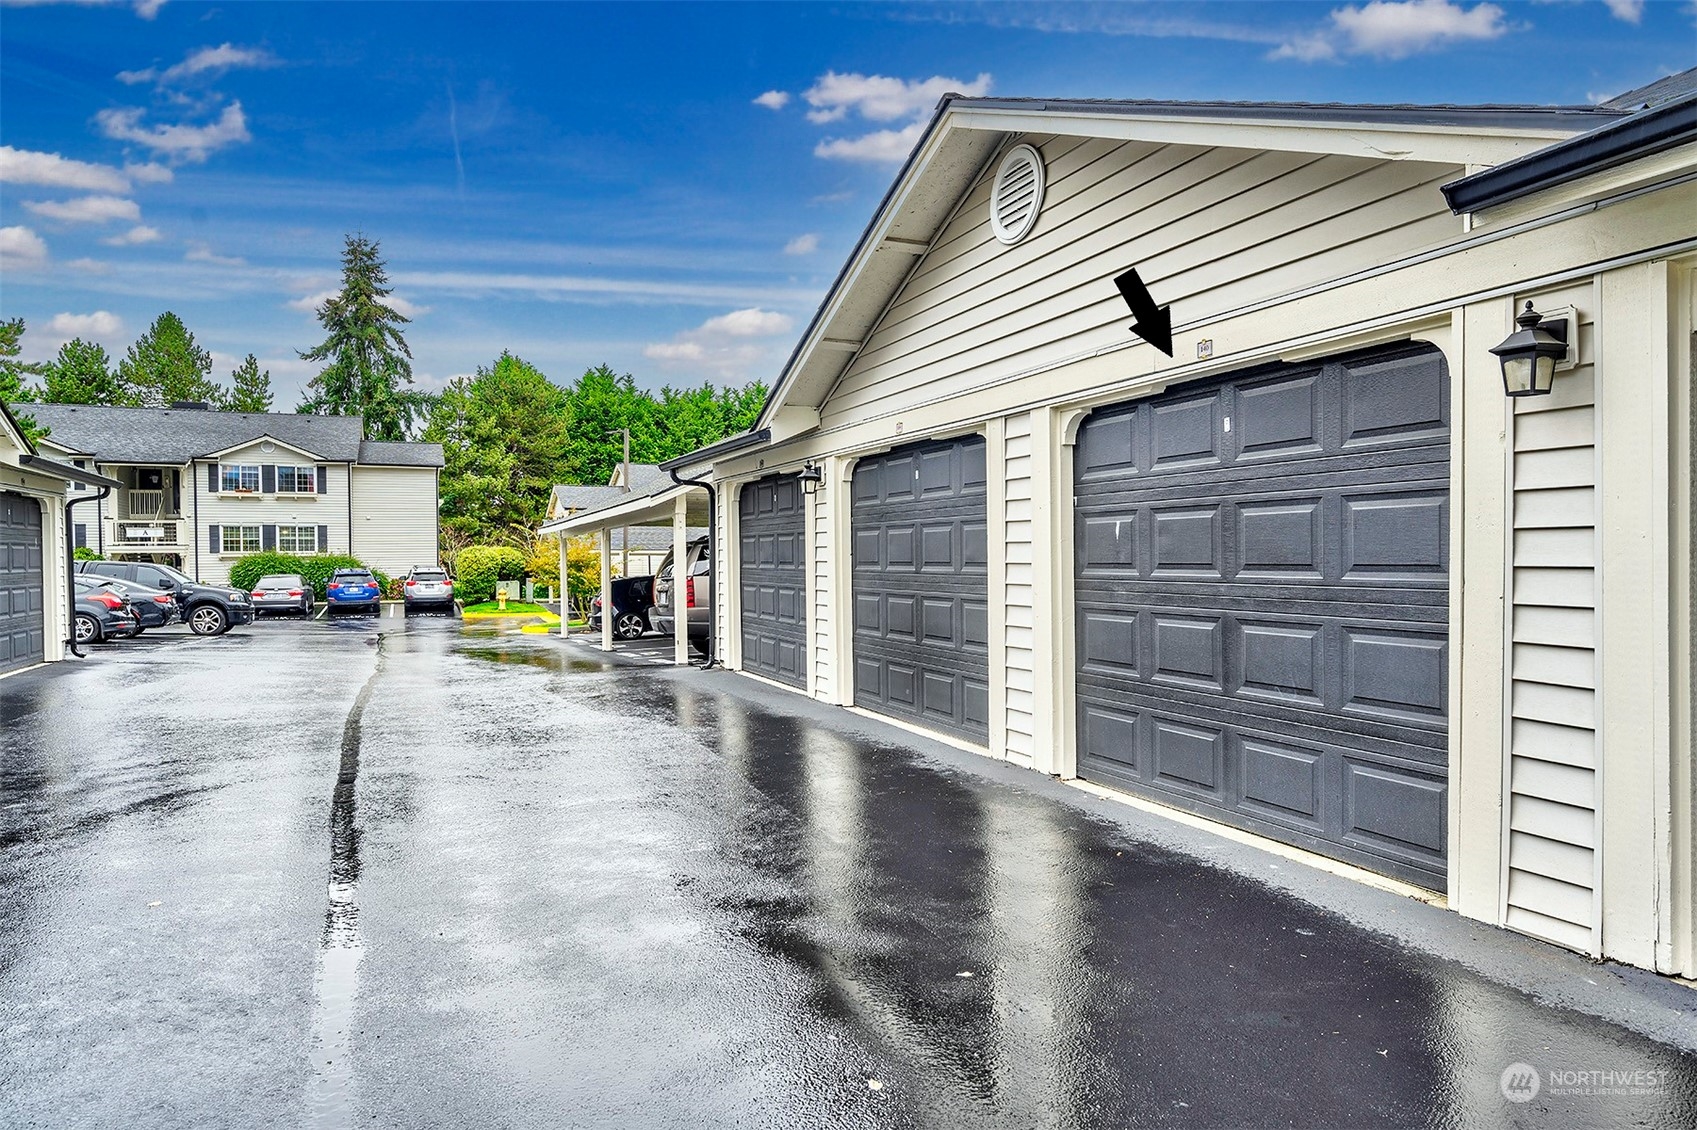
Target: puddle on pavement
point(336, 983)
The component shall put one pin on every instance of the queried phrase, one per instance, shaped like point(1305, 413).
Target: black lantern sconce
point(1529, 354)
point(812, 477)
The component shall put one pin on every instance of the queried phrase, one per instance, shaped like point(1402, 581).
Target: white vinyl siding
point(1551, 784)
point(820, 551)
point(394, 517)
point(203, 509)
point(1209, 230)
point(1018, 592)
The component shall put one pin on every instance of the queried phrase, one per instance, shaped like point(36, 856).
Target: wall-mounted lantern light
point(1530, 353)
point(812, 478)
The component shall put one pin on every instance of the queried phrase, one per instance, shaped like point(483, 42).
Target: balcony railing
point(145, 503)
point(133, 534)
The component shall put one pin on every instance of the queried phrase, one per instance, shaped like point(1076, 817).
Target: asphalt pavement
point(414, 872)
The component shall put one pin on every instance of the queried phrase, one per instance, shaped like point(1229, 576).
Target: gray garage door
point(23, 628)
point(772, 574)
point(921, 650)
point(1262, 594)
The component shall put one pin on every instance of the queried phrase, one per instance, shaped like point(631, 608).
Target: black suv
point(208, 610)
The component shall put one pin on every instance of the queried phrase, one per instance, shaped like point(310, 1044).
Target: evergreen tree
point(82, 374)
point(367, 363)
point(166, 365)
point(250, 389)
point(504, 446)
point(13, 374)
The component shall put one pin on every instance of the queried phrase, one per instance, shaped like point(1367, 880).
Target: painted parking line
point(321, 612)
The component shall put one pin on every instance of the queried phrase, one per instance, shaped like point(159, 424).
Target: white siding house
point(201, 489)
point(1304, 570)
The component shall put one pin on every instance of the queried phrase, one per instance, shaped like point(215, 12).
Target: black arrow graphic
point(1154, 323)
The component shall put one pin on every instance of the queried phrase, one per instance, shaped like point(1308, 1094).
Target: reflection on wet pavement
point(593, 894)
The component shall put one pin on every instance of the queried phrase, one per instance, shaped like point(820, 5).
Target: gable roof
point(275, 442)
point(965, 135)
point(645, 478)
point(178, 435)
point(386, 453)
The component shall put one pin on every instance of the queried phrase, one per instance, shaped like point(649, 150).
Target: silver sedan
point(283, 592)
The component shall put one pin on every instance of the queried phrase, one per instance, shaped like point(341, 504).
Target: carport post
point(606, 545)
point(680, 552)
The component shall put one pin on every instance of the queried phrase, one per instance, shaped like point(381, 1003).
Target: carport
point(681, 507)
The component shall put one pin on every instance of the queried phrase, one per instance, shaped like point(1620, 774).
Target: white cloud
point(86, 209)
point(403, 307)
point(88, 266)
point(21, 249)
point(147, 9)
point(135, 237)
point(25, 166)
point(753, 322)
point(774, 99)
point(880, 145)
point(180, 142)
point(309, 303)
point(200, 253)
point(1395, 29)
point(150, 173)
point(802, 245)
point(1632, 11)
point(879, 98)
point(206, 61)
point(101, 323)
point(729, 345)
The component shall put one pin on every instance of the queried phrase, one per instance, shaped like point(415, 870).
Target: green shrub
point(477, 569)
point(315, 569)
point(84, 553)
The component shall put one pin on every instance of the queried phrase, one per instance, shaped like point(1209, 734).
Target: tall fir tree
point(367, 365)
point(14, 374)
point(250, 388)
point(165, 366)
point(82, 374)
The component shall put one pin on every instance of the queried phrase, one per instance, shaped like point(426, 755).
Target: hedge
point(315, 570)
point(477, 568)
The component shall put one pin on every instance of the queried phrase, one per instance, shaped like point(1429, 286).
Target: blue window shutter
point(82, 535)
point(323, 481)
point(268, 479)
point(212, 477)
point(323, 531)
point(212, 541)
point(268, 537)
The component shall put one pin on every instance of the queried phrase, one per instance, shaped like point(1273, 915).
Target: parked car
point(695, 596)
point(427, 586)
point(154, 608)
point(283, 592)
point(353, 590)
point(209, 610)
point(632, 599)
point(102, 614)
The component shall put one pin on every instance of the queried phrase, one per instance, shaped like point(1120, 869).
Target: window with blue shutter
point(212, 477)
point(323, 531)
point(268, 537)
point(268, 479)
point(323, 483)
point(212, 539)
point(82, 535)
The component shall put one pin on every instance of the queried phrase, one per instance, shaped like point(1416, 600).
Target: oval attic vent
point(1017, 194)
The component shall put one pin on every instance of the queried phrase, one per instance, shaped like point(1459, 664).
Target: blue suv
point(352, 589)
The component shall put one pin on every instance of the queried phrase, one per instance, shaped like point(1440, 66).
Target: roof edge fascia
point(262, 437)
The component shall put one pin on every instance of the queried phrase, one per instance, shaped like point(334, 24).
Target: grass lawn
point(492, 609)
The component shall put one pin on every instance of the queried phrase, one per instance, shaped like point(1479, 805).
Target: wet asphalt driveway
point(403, 874)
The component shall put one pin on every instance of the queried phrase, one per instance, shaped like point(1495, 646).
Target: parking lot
point(392, 871)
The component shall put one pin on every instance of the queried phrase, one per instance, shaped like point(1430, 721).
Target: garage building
point(1256, 532)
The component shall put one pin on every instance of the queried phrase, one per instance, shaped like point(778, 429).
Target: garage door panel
point(23, 628)
point(1262, 602)
point(773, 578)
point(920, 585)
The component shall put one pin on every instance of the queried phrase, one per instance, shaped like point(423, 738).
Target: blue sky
point(664, 188)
